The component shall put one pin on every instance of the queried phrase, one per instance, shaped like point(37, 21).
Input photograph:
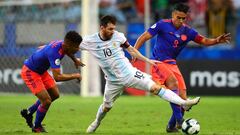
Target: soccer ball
point(190, 127)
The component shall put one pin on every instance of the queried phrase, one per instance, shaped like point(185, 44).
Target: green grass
point(130, 115)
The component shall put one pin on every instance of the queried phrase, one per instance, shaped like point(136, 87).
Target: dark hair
point(181, 7)
point(73, 38)
point(107, 19)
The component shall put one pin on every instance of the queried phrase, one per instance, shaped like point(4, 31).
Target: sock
point(34, 107)
point(177, 113)
point(172, 121)
point(41, 112)
point(170, 96)
point(100, 114)
point(183, 111)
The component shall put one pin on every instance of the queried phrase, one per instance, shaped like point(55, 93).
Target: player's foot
point(40, 129)
point(179, 124)
point(191, 102)
point(28, 117)
point(170, 129)
point(93, 126)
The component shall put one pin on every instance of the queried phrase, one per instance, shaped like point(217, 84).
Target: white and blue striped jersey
point(109, 55)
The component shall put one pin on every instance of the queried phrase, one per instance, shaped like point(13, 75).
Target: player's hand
point(224, 38)
point(134, 59)
point(78, 77)
point(78, 63)
point(154, 62)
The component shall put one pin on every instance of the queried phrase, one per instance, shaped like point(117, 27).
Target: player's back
point(39, 61)
point(109, 55)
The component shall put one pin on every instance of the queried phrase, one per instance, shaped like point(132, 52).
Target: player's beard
point(108, 36)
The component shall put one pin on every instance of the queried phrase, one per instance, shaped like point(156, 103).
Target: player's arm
point(58, 76)
point(136, 54)
point(76, 61)
point(142, 39)
point(224, 38)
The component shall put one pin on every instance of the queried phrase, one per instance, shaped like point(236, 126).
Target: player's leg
point(111, 93)
point(51, 86)
point(182, 91)
point(163, 74)
point(33, 82)
point(46, 101)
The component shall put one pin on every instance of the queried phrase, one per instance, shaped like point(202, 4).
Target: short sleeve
point(83, 45)
point(155, 28)
point(122, 38)
point(192, 34)
point(54, 58)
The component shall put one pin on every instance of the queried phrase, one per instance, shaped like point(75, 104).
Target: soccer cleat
point(171, 129)
point(93, 126)
point(179, 124)
point(40, 129)
point(191, 102)
point(28, 117)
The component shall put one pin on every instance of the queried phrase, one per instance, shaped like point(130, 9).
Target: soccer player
point(107, 47)
point(172, 36)
point(42, 85)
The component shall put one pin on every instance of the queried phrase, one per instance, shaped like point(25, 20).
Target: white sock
point(170, 96)
point(100, 114)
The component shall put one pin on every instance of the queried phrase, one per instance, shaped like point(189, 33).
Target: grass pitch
point(129, 116)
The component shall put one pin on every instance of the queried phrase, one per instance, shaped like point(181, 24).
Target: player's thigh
point(33, 80)
point(50, 85)
point(140, 80)
point(111, 93)
point(181, 82)
point(160, 73)
point(179, 76)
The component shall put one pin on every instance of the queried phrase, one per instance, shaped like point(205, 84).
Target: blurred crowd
point(218, 16)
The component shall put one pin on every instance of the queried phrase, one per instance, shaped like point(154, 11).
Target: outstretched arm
point(76, 61)
point(224, 38)
point(142, 39)
point(58, 76)
point(136, 54)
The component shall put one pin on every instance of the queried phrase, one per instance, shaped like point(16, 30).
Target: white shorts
point(138, 80)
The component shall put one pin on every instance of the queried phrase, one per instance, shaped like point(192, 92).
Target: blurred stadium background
point(26, 24)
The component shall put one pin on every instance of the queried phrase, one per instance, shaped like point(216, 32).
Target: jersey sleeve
point(83, 45)
point(123, 40)
point(54, 58)
point(192, 34)
point(155, 28)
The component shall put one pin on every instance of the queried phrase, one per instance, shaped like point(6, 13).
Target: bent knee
point(55, 97)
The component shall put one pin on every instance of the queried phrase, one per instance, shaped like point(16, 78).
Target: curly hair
point(73, 38)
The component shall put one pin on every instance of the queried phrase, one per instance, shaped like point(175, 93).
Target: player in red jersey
point(172, 36)
point(42, 85)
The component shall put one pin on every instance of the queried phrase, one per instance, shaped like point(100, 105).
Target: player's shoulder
point(91, 38)
point(187, 26)
point(117, 33)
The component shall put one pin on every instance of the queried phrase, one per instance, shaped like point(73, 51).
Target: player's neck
point(102, 37)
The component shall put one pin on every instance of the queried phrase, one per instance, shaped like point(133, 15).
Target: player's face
point(108, 31)
point(178, 18)
point(72, 49)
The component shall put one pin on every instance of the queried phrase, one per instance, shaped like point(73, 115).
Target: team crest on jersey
point(114, 44)
point(57, 61)
point(154, 26)
point(184, 37)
